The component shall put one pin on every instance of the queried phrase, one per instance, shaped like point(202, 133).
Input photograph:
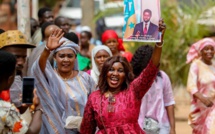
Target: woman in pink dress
point(201, 86)
point(115, 107)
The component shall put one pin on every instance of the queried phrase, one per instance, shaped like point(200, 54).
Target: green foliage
point(182, 30)
point(108, 12)
point(47, 3)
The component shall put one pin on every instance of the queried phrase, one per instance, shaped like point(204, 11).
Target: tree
point(87, 7)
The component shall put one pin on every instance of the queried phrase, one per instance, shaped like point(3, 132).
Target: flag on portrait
point(129, 18)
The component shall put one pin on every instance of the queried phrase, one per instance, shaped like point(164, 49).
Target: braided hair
point(141, 59)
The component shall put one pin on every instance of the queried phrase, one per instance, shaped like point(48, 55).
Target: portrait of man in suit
point(146, 29)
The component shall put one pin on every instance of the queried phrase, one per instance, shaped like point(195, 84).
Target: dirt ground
point(182, 108)
point(182, 128)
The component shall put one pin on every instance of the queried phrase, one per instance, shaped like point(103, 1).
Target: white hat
point(85, 28)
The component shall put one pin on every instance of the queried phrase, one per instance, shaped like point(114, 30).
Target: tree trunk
point(34, 10)
point(23, 16)
point(87, 7)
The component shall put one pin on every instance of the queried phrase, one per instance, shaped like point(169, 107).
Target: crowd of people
point(87, 88)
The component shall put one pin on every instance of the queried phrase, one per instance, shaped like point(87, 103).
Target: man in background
point(14, 42)
point(7, 16)
point(146, 29)
point(63, 23)
point(45, 15)
point(34, 26)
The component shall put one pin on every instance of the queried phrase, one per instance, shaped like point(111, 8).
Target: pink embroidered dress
point(124, 119)
point(201, 79)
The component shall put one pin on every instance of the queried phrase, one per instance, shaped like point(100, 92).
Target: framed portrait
point(141, 18)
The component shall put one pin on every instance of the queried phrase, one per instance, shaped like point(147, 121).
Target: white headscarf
point(69, 45)
point(95, 71)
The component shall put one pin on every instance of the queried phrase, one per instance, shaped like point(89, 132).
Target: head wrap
point(86, 28)
point(69, 45)
point(120, 46)
point(112, 34)
point(95, 71)
point(194, 51)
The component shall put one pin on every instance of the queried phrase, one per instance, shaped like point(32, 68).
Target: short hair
point(57, 20)
point(43, 28)
point(1, 31)
point(7, 65)
point(42, 11)
point(148, 10)
point(89, 34)
point(72, 37)
point(103, 84)
point(141, 59)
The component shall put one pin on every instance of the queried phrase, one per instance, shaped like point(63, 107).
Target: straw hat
point(14, 38)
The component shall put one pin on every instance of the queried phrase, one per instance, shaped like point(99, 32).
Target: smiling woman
point(113, 77)
point(114, 108)
point(200, 85)
point(63, 91)
point(65, 63)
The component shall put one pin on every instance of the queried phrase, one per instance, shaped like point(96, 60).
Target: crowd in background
point(68, 67)
point(88, 85)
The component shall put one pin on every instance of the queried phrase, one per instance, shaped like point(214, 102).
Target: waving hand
point(54, 38)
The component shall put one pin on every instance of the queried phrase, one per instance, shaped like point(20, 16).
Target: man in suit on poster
point(146, 29)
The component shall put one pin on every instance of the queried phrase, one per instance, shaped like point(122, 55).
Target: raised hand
point(162, 29)
point(54, 38)
point(162, 26)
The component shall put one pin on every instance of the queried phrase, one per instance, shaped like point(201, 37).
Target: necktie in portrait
point(145, 29)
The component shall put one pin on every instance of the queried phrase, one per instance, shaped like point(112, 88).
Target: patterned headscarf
point(69, 45)
point(195, 49)
point(112, 34)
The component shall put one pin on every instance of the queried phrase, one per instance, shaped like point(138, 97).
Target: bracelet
point(47, 48)
point(39, 109)
point(158, 45)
